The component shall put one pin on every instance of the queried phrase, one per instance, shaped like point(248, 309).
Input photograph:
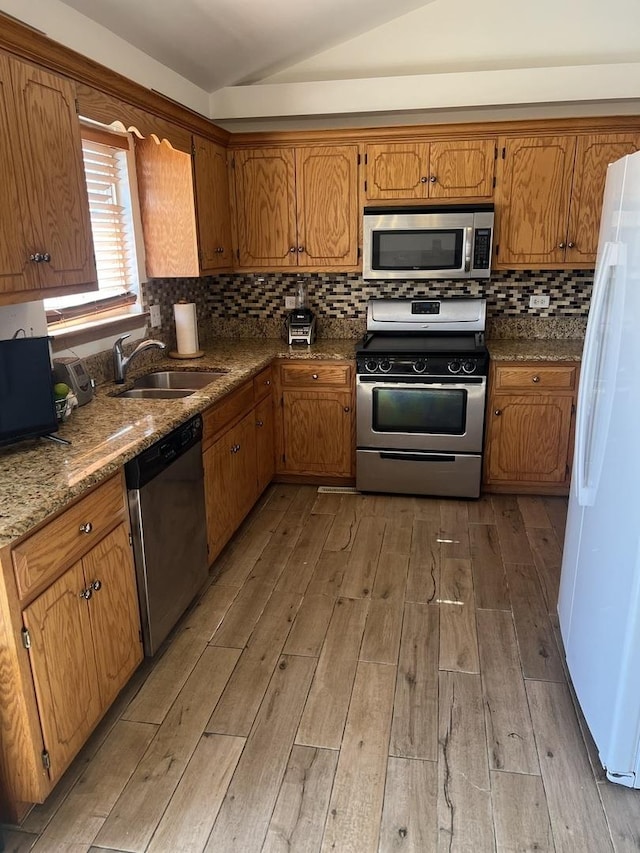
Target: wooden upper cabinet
point(297, 207)
point(438, 169)
point(593, 155)
point(48, 247)
point(327, 205)
point(550, 196)
point(534, 191)
point(212, 204)
point(265, 207)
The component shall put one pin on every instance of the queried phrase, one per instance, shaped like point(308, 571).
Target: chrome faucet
point(121, 361)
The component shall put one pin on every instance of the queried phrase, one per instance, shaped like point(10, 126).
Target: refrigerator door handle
point(587, 467)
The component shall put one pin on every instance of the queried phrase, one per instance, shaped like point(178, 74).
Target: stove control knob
point(454, 366)
point(420, 365)
point(469, 366)
point(371, 365)
point(385, 365)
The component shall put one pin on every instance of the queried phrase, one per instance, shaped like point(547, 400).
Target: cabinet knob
point(535, 379)
point(301, 249)
point(86, 528)
point(293, 250)
point(424, 180)
point(561, 245)
point(259, 423)
point(497, 413)
point(433, 179)
point(36, 257)
point(96, 585)
point(86, 593)
point(314, 375)
point(46, 257)
point(267, 382)
point(220, 250)
point(347, 408)
point(571, 245)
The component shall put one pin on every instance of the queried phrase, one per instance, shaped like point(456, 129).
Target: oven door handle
point(418, 457)
point(410, 381)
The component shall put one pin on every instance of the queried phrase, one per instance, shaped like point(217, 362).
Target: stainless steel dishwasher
point(165, 485)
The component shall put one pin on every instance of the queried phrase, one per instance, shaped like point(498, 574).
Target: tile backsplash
point(252, 304)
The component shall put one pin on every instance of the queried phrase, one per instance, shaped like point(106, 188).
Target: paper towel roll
point(186, 327)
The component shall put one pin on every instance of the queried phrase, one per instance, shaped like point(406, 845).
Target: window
point(110, 174)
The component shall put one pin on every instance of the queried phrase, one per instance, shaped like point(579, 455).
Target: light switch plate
point(289, 302)
point(539, 301)
point(154, 316)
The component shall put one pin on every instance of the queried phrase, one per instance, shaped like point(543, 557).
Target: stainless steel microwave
point(453, 241)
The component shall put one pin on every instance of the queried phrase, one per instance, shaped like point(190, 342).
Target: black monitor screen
point(27, 406)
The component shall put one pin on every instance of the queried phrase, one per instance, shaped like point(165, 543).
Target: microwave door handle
point(467, 248)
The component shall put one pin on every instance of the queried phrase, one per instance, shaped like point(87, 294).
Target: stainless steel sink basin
point(178, 379)
point(156, 393)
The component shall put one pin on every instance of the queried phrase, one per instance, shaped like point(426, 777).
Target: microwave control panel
point(482, 249)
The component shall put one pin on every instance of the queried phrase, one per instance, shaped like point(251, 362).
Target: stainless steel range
point(421, 390)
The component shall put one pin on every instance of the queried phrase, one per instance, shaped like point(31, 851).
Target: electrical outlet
point(289, 302)
point(154, 316)
point(539, 301)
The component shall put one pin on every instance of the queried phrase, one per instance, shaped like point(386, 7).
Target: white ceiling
point(217, 43)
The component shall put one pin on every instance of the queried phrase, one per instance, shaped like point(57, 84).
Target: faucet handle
point(118, 344)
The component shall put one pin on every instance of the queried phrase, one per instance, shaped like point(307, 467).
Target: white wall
point(74, 30)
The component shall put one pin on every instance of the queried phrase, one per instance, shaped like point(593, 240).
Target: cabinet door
point(55, 203)
point(16, 272)
point(212, 204)
point(265, 458)
point(327, 205)
point(264, 182)
point(63, 666)
point(528, 438)
point(317, 431)
point(218, 489)
point(534, 193)
point(593, 155)
point(398, 170)
point(462, 169)
point(115, 620)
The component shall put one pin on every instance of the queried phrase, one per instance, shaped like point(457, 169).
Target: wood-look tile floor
point(364, 674)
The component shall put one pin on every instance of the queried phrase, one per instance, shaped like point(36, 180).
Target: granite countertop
point(39, 477)
point(535, 350)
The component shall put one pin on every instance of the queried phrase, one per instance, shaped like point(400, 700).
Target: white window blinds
point(105, 168)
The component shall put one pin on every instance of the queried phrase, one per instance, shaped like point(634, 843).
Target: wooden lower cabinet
point(69, 639)
point(315, 425)
point(530, 423)
point(237, 457)
point(83, 650)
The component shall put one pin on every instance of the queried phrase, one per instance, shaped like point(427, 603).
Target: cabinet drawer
point(311, 374)
point(262, 384)
point(39, 559)
point(223, 414)
point(560, 377)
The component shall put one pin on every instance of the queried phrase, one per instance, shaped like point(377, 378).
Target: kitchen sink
point(178, 379)
point(156, 393)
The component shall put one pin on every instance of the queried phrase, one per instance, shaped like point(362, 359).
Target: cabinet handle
point(347, 408)
point(497, 413)
point(220, 250)
point(86, 593)
point(86, 528)
point(301, 249)
point(259, 423)
point(314, 375)
point(433, 179)
point(37, 257)
point(535, 379)
point(571, 245)
point(424, 180)
point(561, 245)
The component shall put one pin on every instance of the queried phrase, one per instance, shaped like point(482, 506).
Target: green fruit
point(60, 390)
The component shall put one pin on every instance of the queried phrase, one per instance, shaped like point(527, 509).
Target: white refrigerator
point(599, 601)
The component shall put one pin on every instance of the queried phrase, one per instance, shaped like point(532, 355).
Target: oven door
point(421, 413)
